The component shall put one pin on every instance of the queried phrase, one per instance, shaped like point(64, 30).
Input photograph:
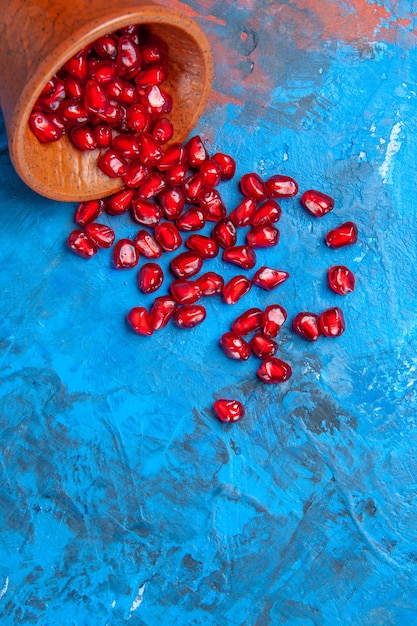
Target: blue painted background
point(123, 499)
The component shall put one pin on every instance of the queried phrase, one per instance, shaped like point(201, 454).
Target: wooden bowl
point(39, 36)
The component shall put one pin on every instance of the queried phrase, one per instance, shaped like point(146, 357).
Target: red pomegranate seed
point(280, 186)
point(262, 346)
point(150, 151)
point(54, 97)
point(100, 234)
point(236, 288)
point(77, 67)
point(146, 212)
point(212, 204)
point(120, 202)
point(89, 211)
point(124, 93)
point(332, 322)
point(132, 31)
point(210, 172)
point(83, 138)
point(138, 318)
point(115, 114)
point(210, 283)
point(173, 155)
point(234, 346)
point(244, 256)
point(307, 325)
point(268, 213)
point(103, 135)
point(136, 174)
point(248, 322)
point(269, 278)
point(125, 254)
point(152, 186)
point(153, 75)
point(102, 71)
point(229, 410)
point(153, 52)
point(79, 243)
point(74, 89)
point(191, 220)
point(177, 174)
point(150, 277)
point(112, 164)
point(44, 127)
point(106, 47)
point(168, 236)
point(263, 236)
point(243, 214)
point(95, 98)
point(127, 145)
point(157, 100)
point(206, 247)
point(189, 316)
point(275, 316)
point(147, 245)
point(193, 186)
point(162, 130)
point(196, 151)
point(172, 200)
point(341, 279)
point(186, 264)
point(128, 57)
point(74, 112)
point(224, 232)
point(227, 165)
point(161, 311)
point(138, 118)
point(185, 291)
point(273, 371)
point(344, 235)
point(253, 186)
point(317, 202)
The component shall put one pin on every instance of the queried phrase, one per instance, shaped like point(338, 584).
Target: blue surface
point(123, 499)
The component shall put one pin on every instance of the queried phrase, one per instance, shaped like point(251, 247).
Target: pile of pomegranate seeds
point(110, 97)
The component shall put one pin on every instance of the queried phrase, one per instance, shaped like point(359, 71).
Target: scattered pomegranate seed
point(138, 118)
point(227, 165)
point(229, 410)
point(174, 155)
point(210, 284)
point(205, 246)
point(112, 164)
point(268, 213)
point(236, 288)
point(307, 325)
point(280, 186)
point(273, 370)
point(193, 186)
point(139, 319)
point(263, 236)
point(161, 311)
point(248, 322)
point(332, 322)
point(44, 127)
point(77, 67)
point(244, 256)
point(136, 174)
point(162, 130)
point(210, 172)
point(106, 47)
point(262, 346)
point(224, 232)
point(186, 264)
point(127, 145)
point(172, 200)
point(196, 151)
point(275, 316)
point(269, 278)
point(317, 202)
point(100, 234)
point(185, 291)
point(89, 211)
point(212, 205)
point(154, 75)
point(95, 98)
point(150, 277)
point(234, 346)
point(176, 174)
point(103, 135)
point(128, 57)
point(341, 279)
point(146, 212)
point(83, 138)
point(253, 186)
point(157, 100)
point(120, 202)
point(189, 315)
point(191, 220)
point(344, 235)
point(244, 213)
point(73, 112)
point(152, 186)
point(153, 52)
point(168, 236)
point(125, 254)
point(147, 245)
point(149, 150)
point(80, 243)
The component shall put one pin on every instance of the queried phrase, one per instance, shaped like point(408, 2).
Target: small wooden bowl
point(39, 36)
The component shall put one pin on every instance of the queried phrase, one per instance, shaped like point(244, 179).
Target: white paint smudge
point(5, 587)
point(139, 598)
point(393, 148)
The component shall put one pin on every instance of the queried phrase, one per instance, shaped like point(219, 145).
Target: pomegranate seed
point(154, 75)
point(196, 151)
point(177, 174)
point(174, 155)
point(100, 234)
point(148, 245)
point(172, 200)
point(243, 214)
point(234, 346)
point(273, 371)
point(77, 67)
point(138, 318)
point(89, 211)
point(74, 89)
point(344, 235)
point(168, 236)
point(79, 243)
point(131, 30)
point(210, 172)
point(227, 165)
point(103, 135)
point(138, 118)
point(212, 204)
point(136, 174)
point(317, 202)
point(44, 127)
point(206, 247)
point(307, 325)
point(146, 212)
point(83, 138)
point(73, 112)
point(210, 284)
point(120, 202)
point(193, 186)
point(124, 93)
point(224, 232)
point(236, 288)
point(263, 236)
point(95, 99)
point(186, 264)
point(102, 72)
point(269, 278)
point(125, 254)
point(50, 101)
point(341, 279)
point(152, 186)
point(253, 186)
point(244, 256)
point(153, 52)
point(185, 291)
point(150, 277)
point(115, 114)
point(127, 145)
point(268, 212)
point(262, 346)
point(157, 100)
point(275, 316)
point(106, 47)
point(332, 322)
point(229, 410)
point(128, 57)
point(162, 130)
point(192, 219)
point(150, 152)
point(248, 322)
point(281, 186)
point(112, 164)
point(161, 311)
point(189, 316)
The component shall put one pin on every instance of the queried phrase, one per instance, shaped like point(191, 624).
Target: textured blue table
point(123, 499)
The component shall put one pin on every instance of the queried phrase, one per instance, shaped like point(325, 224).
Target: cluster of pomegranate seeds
point(110, 97)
